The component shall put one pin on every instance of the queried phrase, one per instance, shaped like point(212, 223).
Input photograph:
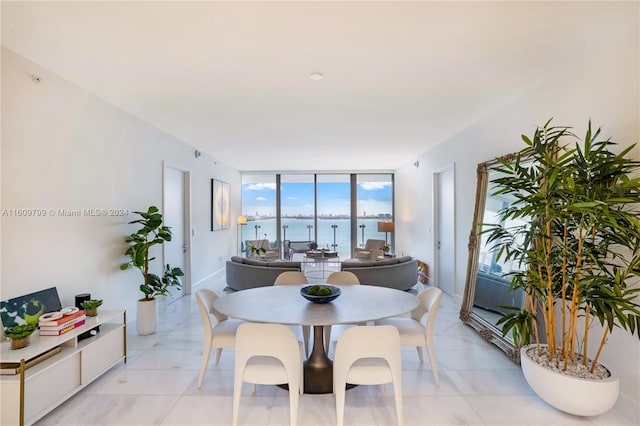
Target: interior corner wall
point(65, 150)
point(604, 86)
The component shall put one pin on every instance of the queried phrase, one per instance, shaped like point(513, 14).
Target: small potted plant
point(91, 307)
point(257, 251)
point(19, 335)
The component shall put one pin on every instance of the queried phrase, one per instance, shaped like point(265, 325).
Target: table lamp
point(242, 220)
point(385, 227)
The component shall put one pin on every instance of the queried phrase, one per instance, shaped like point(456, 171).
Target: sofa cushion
point(401, 276)
point(237, 259)
point(284, 264)
point(403, 259)
point(255, 262)
point(391, 261)
point(356, 264)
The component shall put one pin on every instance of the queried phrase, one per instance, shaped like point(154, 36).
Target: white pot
point(573, 395)
point(147, 316)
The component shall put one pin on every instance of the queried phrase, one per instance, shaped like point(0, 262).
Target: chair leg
point(397, 395)
point(237, 389)
point(293, 403)
point(218, 353)
point(339, 390)
point(434, 364)
point(419, 349)
point(206, 351)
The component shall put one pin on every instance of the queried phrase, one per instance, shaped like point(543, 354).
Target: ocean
point(297, 230)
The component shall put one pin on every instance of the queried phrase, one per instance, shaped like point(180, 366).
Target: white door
point(444, 274)
point(176, 216)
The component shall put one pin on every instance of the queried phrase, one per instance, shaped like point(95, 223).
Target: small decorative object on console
point(19, 335)
point(91, 306)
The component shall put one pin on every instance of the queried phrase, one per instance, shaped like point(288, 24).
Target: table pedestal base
point(318, 369)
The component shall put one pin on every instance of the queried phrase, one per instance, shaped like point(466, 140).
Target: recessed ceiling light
point(316, 76)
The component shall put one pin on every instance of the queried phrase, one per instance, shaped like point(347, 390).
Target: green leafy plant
point(519, 324)
point(20, 331)
point(257, 250)
point(577, 239)
point(152, 233)
point(91, 304)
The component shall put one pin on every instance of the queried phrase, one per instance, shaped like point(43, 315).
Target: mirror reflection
point(487, 295)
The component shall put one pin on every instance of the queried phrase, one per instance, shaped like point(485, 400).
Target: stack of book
point(62, 325)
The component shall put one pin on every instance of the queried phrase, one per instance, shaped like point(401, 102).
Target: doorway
point(444, 226)
point(177, 252)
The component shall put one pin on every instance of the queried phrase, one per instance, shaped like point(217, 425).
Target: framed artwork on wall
point(220, 216)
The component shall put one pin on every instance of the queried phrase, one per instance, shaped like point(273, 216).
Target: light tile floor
point(479, 385)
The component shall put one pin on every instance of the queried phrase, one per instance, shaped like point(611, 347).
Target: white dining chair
point(221, 335)
point(339, 278)
point(414, 332)
point(268, 354)
point(367, 356)
point(292, 278)
point(343, 277)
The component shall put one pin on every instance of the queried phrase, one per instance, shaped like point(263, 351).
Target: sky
point(333, 198)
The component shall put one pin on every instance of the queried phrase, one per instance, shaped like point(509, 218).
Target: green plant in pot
point(91, 306)
point(19, 335)
point(151, 233)
point(257, 251)
point(577, 239)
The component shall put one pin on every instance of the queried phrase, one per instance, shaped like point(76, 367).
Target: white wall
point(603, 86)
point(64, 148)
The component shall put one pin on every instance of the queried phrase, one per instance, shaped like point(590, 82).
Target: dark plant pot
point(91, 312)
point(20, 343)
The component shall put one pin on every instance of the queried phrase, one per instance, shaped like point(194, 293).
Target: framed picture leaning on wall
point(219, 205)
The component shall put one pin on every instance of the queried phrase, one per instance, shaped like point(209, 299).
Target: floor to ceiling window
point(334, 213)
point(297, 207)
point(325, 208)
point(259, 207)
point(375, 206)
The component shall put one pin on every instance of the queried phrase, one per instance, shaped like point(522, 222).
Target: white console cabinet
point(33, 392)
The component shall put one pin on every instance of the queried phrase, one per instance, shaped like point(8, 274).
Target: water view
point(304, 230)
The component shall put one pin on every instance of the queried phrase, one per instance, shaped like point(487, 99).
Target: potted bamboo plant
point(151, 233)
point(578, 247)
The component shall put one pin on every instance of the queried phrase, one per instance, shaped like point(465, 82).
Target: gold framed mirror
point(487, 285)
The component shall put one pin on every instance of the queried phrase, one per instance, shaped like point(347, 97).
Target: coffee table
point(320, 256)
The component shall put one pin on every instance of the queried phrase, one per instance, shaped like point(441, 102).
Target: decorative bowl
point(322, 298)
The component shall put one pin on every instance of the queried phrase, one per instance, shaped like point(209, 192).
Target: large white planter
point(581, 397)
point(147, 316)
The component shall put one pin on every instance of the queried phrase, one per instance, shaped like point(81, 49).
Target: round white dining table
point(285, 305)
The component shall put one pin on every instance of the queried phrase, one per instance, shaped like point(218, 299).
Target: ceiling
point(232, 78)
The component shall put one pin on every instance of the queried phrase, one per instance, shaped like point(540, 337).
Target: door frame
point(436, 223)
point(186, 280)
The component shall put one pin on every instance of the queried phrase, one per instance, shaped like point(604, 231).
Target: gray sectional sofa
point(245, 273)
point(399, 273)
point(492, 293)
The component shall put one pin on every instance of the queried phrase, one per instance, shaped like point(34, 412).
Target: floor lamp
point(242, 220)
point(385, 227)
